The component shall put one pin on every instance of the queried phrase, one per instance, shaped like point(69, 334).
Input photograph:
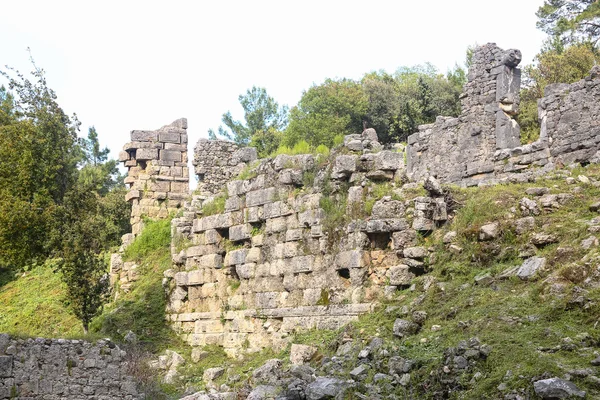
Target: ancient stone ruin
point(482, 145)
point(255, 253)
point(158, 175)
point(64, 369)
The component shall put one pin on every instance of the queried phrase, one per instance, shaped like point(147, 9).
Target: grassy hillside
point(32, 304)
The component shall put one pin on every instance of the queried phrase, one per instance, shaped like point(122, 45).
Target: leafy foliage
point(570, 20)
point(263, 118)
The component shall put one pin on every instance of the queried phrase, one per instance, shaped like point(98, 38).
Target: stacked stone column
point(158, 175)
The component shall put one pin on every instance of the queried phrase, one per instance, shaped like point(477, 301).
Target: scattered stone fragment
point(359, 371)
point(484, 279)
point(300, 353)
point(530, 267)
point(543, 239)
point(211, 374)
point(489, 231)
point(403, 327)
point(556, 388)
point(523, 225)
point(326, 388)
point(537, 191)
point(589, 242)
point(529, 207)
point(449, 237)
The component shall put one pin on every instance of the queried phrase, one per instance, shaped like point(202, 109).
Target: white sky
point(123, 65)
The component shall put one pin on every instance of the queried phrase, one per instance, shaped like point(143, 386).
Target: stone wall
point(482, 145)
point(50, 369)
point(158, 175)
point(570, 116)
point(270, 264)
point(218, 161)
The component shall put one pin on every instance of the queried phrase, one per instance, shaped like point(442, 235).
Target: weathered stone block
point(6, 366)
point(144, 136)
point(146, 154)
point(388, 160)
point(246, 271)
point(260, 197)
point(400, 275)
point(239, 232)
point(171, 137)
point(351, 259)
point(170, 155)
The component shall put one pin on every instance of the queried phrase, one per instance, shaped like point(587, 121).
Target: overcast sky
point(123, 65)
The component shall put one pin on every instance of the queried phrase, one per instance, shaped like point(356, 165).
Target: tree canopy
point(571, 20)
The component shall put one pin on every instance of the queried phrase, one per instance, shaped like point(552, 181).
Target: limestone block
point(301, 264)
point(124, 156)
point(293, 235)
point(258, 240)
point(352, 259)
point(290, 177)
point(312, 296)
point(387, 208)
point(170, 155)
point(246, 271)
point(386, 225)
point(211, 236)
point(266, 299)
point(254, 255)
point(239, 232)
point(146, 154)
point(144, 136)
point(260, 197)
point(388, 160)
point(116, 262)
point(236, 257)
point(400, 275)
point(275, 225)
point(344, 165)
point(171, 137)
point(282, 161)
point(300, 353)
point(233, 203)
point(201, 250)
point(211, 261)
point(181, 278)
point(254, 214)
point(276, 209)
point(311, 217)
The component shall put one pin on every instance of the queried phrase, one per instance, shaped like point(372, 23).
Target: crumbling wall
point(51, 369)
point(271, 262)
point(456, 149)
point(482, 145)
point(570, 116)
point(218, 161)
point(158, 175)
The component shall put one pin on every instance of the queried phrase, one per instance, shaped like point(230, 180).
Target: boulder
point(403, 327)
point(489, 231)
point(530, 267)
point(300, 353)
point(556, 388)
point(326, 388)
point(211, 374)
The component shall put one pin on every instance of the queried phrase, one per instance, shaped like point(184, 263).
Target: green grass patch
point(33, 304)
point(215, 206)
point(155, 235)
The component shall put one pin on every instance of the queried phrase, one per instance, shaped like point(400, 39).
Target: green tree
point(336, 107)
point(571, 20)
point(262, 114)
point(38, 165)
point(96, 169)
